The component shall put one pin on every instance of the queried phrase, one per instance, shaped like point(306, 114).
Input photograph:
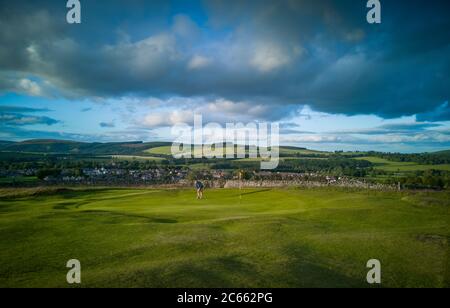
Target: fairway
point(253, 238)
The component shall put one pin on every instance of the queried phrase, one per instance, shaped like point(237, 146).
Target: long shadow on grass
point(69, 205)
point(254, 192)
point(119, 214)
point(77, 204)
point(307, 271)
point(221, 272)
point(106, 217)
point(8, 208)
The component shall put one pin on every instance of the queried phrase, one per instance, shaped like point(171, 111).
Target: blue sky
point(131, 71)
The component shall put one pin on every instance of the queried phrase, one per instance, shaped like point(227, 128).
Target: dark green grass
point(18, 180)
point(260, 238)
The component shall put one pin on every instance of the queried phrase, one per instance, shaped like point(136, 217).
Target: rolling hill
point(5, 143)
point(49, 146)
point(72, 147)
point(445, 153)
point(161, 149)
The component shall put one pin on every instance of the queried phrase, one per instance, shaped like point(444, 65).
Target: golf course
point(233, 238)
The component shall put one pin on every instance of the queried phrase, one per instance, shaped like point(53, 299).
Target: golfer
point(199, 187)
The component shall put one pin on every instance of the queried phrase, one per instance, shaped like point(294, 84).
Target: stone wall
point(293, 183)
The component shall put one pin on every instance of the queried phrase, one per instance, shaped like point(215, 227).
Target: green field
point(260, 238)
point(139, 158)
point(196, 151)
point(393, 166)
point(298, 151)
point(167, 150)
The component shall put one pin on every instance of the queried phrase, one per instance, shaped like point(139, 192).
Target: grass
point(393, 166)
point(18, 179)
point(200, 166)
point(138, 158)
point(196, 151)
point(298, 151)
point(253, 238)
point(259, 159)
point(167, 150)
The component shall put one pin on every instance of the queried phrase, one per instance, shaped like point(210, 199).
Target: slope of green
point(5, 144)
point(253, 238)
point(393, 166)
point(139, 158)
point(167, 150)
point(300, 151)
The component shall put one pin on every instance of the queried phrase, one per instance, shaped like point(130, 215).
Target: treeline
point(78, 164)
point(421, 158)
point(332, 166)
point(304, 155)
point(432, 179)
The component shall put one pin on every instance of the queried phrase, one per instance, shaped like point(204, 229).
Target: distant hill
point(446, 152)
point(5, 143)
point(72, 147)
point(50, 146)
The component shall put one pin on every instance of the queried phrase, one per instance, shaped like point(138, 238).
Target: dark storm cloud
point(107, 125)
point(395, 128)
point(441, 113)
point(320, 53)
point(16, 119)
point(19, 109)
point(18, 116)
point(410, 126)
point(20, 133)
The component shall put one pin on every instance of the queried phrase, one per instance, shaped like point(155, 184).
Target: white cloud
point(167, 118)
point(269, 56)
point(23, 85)
point(316, 138)
point(30, 87)
point(219, 111)
point(199, 62)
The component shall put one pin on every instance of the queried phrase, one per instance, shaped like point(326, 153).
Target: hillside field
point(249, 238)
point(167, 150)
point(393, 166)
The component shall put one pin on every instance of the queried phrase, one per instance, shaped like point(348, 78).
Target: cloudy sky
point(132, 69)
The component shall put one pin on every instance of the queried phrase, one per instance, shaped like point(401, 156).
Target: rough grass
point(253, 238)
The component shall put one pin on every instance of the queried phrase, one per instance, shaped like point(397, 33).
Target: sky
point(133, 69)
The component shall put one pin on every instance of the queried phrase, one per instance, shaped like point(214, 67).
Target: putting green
point(253, 238)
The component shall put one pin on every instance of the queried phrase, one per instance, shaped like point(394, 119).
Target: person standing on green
point(199, 187)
